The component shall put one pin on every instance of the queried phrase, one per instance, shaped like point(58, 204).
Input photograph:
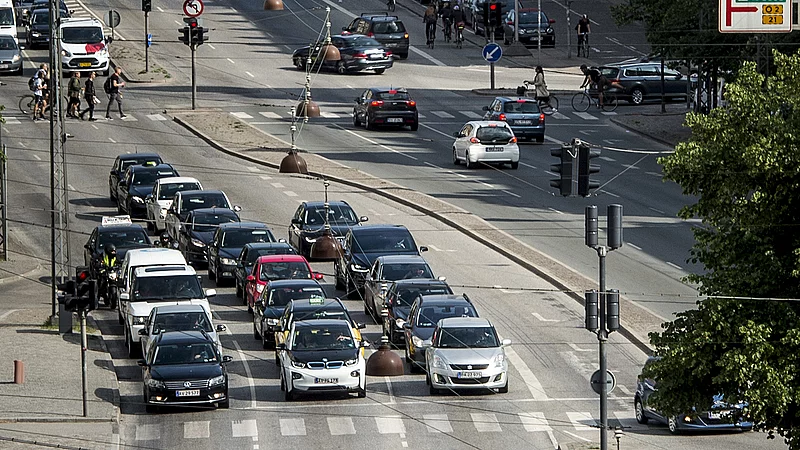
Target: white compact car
point(160, 200)
point(485, 141)
point(466, 353)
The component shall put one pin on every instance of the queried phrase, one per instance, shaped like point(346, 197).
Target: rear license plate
point(469, 374)
point(3, 66)
point(390, 44)
point(191, 393)
point(394, 120)
point(522, 122)
point(326, 380)
point(494, 149)
point(84, 64)
point(375, 56)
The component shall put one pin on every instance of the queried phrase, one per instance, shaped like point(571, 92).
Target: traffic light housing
point(184, 36)
point(82, 277)
point(147, 5)
point(487, 14)
point(496, 14)
point(585, 168)
point(567, 168)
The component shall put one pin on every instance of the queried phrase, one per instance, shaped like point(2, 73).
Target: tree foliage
point(742, 165)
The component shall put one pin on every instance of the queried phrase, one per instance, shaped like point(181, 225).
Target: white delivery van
point(8, 19)
point(84, 46)
point(143, 257)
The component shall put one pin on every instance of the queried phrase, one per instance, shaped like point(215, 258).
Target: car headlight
point(139, 320)
point(499, 360)
point(358, 267)
point(417, 341)
point(298, 364)
point(438, 362)
point(549, 31)
point(310, 240)
point(351, 362)
point(198, 243)
point(217, 380)
point(15, 58)
point(155, 383)
point(228, 261)
point(260, 288)
point(36, 34)
point(137, 199)
point(272, 322)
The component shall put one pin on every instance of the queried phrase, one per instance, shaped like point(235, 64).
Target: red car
point(275, 267)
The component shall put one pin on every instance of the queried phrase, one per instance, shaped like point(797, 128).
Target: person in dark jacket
point(74, 93)
point(89, 96)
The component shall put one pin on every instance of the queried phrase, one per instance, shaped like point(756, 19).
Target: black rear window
point(523, 107)
point(388, 27)
point(393, 95)
point(253, 255)
point(383, 241)
point(491, 133)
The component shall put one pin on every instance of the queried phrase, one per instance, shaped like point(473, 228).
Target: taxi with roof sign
point(386, 106)
point(117, 230)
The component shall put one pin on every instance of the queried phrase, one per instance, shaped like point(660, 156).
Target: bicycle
point(391, 5)
point(448, 31)
point(430, 33)
point(583, 44)
point(459, 34)
point(583, 100)
point(547, 106)
point(26, 104)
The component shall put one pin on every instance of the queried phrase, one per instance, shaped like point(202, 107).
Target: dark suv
point(642, 81)
point(385, 106)
point(386, 29)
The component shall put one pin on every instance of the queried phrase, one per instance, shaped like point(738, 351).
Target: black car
point(37, 27)
point(250, 253)
point(425, 313)
point(386, 29)
point(360, 248)
point(529, 29)
point(399, 298)
point(386, 106)
point(201, 224)
point(227, 244)
point(308, 223)
point(473, 15)
point(357, 53)
point(186, 201)
point(184, 368)
point(124, 238)
point(522, 114)
point(123, 162)
point(642, 81)
point(272, 302)
point(137, 184)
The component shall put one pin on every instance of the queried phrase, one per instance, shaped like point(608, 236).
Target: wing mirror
point(423, 249)
point(141, 363)
point(297, 222)
point(211, 292)
point(406, 325)
point(363, 219)
point(221, 328)
point(236, 208)
point(365, 343)
point(442, 278)
point(458, 134)
point(227, 359)
point(506, 342)
point(552, 20)
point(318, 276)
point(149, 198)
point(361, 326)
point(251, 278)
point(281, 346)
point(124, 296)
point(485, 108)
point(143, 332)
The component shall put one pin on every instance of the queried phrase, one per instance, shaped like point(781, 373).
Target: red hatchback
point(275, 267)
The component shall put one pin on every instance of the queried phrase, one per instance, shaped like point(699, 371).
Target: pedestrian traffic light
point(496, 14)
point(147, 5)
point(585, 155)
point(567, 168)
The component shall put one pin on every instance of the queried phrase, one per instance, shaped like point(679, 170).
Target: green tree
point(742, 165)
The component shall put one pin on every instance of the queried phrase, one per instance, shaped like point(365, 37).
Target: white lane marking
point(541, 318)
point(378, 144)
point(655, 174)
point(656, 210)
point(582, 421)
point(576, 436)
point(245, 428)
point(485, 184)
point(36, 157)
point(443, 114)
point(392, 400)
point(585, 115)
point(553, 140)
point(339, 426)
point(249, 74)
point(429, 57)
point(608, 113)
point(212, 47)
point(437, 423)
point(624, 390)
point(559, 116)
point(390, 425)
point(7, 313)
point(239, 351)
point(610, 193)
point(196, 430)
point(578, 349)
point(634, 246)
point(12, 121)
point(241, 115)
point(674, 265)
point(293, 427)
point(159, 9)
point(457, 174)
point(485, 422)
point(290, 193)
point(329, 115)
point(230, 61)
point(537, 391)
point(534, 421)
point(71, 188)
point(22, 144)
point(156, 117)
point(527, 165)
point(555, 210)
point(472, 115)
point(147, 432)
point(265, 177)
point(277, 185)
point(112, 141)
point(512, 194)
point(270, 115)
point(253, 169)
point(178, 22)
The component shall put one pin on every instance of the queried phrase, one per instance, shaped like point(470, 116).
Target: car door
point(366, 96)
point(241, 272)
point(345, 258)
point(113, 177)
point(674, 83)
point(183, 233)
point(371, 284)
point(651, 79)
point(171, 222)
point(462, 140)
point(410, 323)
point(213, 249)
point(296, 228)
point(250, 286)
point(151, 202)
point(283, 330)
point(88, 248)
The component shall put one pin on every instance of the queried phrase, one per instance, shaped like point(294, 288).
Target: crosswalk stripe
point(129, 119)
point(270, 115)
point(485, 422)
point(293, 427)
point(329, 115)
point(585, 115)
point(390, 425)
point(156, 117)
point(341, 425)
point(534, 421)
point(148, 432)
point(581, 421)
point(196, 430)
point(557, 115)
point(241, 115)
point(12, 121)
point(437, 423)
point(472, 114)
point(244, 428)
point(443, 114)
point(609, 113)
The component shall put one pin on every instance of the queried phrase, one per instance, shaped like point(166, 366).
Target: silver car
point(163, 319)
point(10, 58)
point(466, 353)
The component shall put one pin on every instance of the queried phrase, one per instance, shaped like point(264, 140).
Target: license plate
point(191, 393)
point(84, 64)
point(494, 149)
point(394, 120)
point(375, 56)
point(390, 45)
point(469, 374)
point(326, 380)
point(717, 415)
point(3, 66)
point(522, 122)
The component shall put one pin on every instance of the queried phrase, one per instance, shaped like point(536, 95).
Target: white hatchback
point(486, 141)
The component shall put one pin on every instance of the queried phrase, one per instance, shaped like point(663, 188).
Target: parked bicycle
point(548, 105)
point(583, 100)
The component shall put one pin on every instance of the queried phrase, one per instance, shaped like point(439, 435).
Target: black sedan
point(357, 52)
point(137, 184)
point(123, 162)
point(272, 302)
point(400, 296)
point(195, 235)
point(386, 106)
point(250, 253)
point(37, 27)
point(227, 244)
point(184, 368)
point(308, 223)
point(533, 25)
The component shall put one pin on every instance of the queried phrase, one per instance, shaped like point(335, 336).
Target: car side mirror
point(227, 359)
point(211, 292)
point(221, 328)
point(282, 240)
point(442, 278)
point(457, 134)
point(363, 219)
point(21, 47)
point(297, 222)
point(318, 276)
point(406, 326)
point(251, 278)
point(141, 363)
point(344, 28)
point(87, 246)
point(237, 208)
point(365, 343)
point(149, 198)
point(485, 108)
point(259, 304)
point(143, 332)
point(423, 249)
point(361, 326)
point(506, 342)
point(239, 264)
point(109, 39)
point(124, 296)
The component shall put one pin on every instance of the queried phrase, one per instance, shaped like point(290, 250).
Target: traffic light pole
point(194, 80)
point(146, 46)
point(602, 338)
point(84, 371)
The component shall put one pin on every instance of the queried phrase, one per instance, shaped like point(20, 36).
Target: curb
point(643, 133)
point(115, 390)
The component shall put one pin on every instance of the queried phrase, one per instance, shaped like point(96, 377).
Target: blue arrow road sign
point(492, 52)
point(149, 39)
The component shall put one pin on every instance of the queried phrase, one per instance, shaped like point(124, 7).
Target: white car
point(163, 319)
point(142, 257)
point(485, 141)
point(466, 353)
point(322, 355)
point(160, 200)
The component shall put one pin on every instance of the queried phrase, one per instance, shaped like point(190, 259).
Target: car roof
point(489, 123)
point(127, 156)
point(464, 322)
point(377, 227)
point(319, 323)
point(176, 180)
point(243, 225)
point(443, 299)
point(199, 192)
point(420, 282)
point(151, 252)
point(389, 88)
point(164, 271)
point(379, 18)
point(310, 304)
point(214, 212)
point(514, 100)
point(257, 245)
point(317, 204)
point(183, 337)
point(141, 168)
point(293, 283)
point(279, 258)
point(175, 309)
point(402, 259)
point(120, 227)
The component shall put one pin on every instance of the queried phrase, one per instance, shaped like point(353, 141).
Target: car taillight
point(412, 103)
point(359, 55)
point(512, 140)
point(541, 118)
point(387, 53)
point(370, 34)
point(501, 117)
point(475, 140)
point(376, 103)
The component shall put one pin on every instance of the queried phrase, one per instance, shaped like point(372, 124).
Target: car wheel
point(149, 224)
point(415, 125)
point(277, 359)
point(408, 355)
point(119, 208)
point(256, 334)
point(283, 384)
point(147, 406)
point(540, 139)
point(504, 389)
point(470, 164)
point(225, 404)
point(428, 378)
point(672, 423)
point(368, 120)
point(380, 71)
point(639, 411)
point(288, 394)
point(132, 349)
point(352, 291)
point(356, 122)
point(362, 392)
point(637, 96)
point(120, 320)
point(264, 343)
point(514, 165)
point(211, 275)
point(403, 55)
point(433, 390)
point(340, 68)
point(455, 157)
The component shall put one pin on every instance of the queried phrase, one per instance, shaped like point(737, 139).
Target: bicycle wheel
point(551, 106)
point(26, 104)
point(581, 102)
point(610, 102)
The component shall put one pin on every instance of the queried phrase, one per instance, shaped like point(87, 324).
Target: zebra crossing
point(328, 112)
point(19, 119)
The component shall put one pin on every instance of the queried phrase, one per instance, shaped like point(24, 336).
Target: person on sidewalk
point(74, 94)
point(90, 97)
point(114, 94)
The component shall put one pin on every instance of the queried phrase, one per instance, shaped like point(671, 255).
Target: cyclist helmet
point(583, 67)
point(585, 16)
point(111, 250)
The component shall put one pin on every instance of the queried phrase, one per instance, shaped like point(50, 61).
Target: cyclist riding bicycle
point(593, 75)
point(430, 18)
point(447, 19)
point(584, 27)
point(458, 20)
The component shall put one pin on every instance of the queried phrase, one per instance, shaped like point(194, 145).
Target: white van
point(84, 46)
point(143, 257)
point(8, 19)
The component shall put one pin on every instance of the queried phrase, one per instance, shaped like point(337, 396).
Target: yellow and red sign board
point(755, 16)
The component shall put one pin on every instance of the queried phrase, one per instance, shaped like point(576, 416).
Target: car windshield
point(168, 287)
point(209, 222)
point(532, 17)
point(123, 239)
point(185, 321)
point(253, 255)
point(149, 177)
point(240, 238)
point(168, 190)
point(197, 353)
point(42, 17)
point(388, 27)
point(406, 296)
point(7, 43)
point(393, 272)
point(393, 95)
point(81, 35)
point(362, 42)
point(327, 313)
point(144, 162)
point(282, 296)
point(208, 200)
point(429, 316)
point(283, 270)
point(329, 337)
point(381, 241)
point(7, 16)
point(337, 215)
point(494, 133)
point(480, 337)
point(521, 107)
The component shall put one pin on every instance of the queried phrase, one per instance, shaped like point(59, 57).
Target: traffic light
point(184, 36)
point(585, 155)
point(612, 310)
point(82, 276)
point(147, 5)
point(497, 14)
point(487, 14)
point(201, 35)
point(567, 168)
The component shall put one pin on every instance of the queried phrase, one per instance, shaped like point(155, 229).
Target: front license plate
point(522, 122)
point(718, 415)
point(391, 45)
point(394, 120)
point(84, 64)
point(494, 149)
point(191, 393)
point(469, 374)
point(326, 380)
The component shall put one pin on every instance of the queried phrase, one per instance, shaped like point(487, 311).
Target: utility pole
point(539, 35)
point(569, 29)
point(4, 201)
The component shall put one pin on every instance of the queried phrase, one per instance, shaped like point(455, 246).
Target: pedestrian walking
point(74, 93)
point(90, 97)
point(114, 86)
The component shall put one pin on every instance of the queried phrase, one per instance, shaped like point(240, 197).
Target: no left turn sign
point(193, 8)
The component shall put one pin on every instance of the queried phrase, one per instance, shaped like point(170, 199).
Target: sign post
point(492, 53)
point(755, 16)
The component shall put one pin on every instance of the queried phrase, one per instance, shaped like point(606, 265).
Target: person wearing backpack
point(89, 95)
point(74, 93)
point(112, 87)
point(39, 87)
